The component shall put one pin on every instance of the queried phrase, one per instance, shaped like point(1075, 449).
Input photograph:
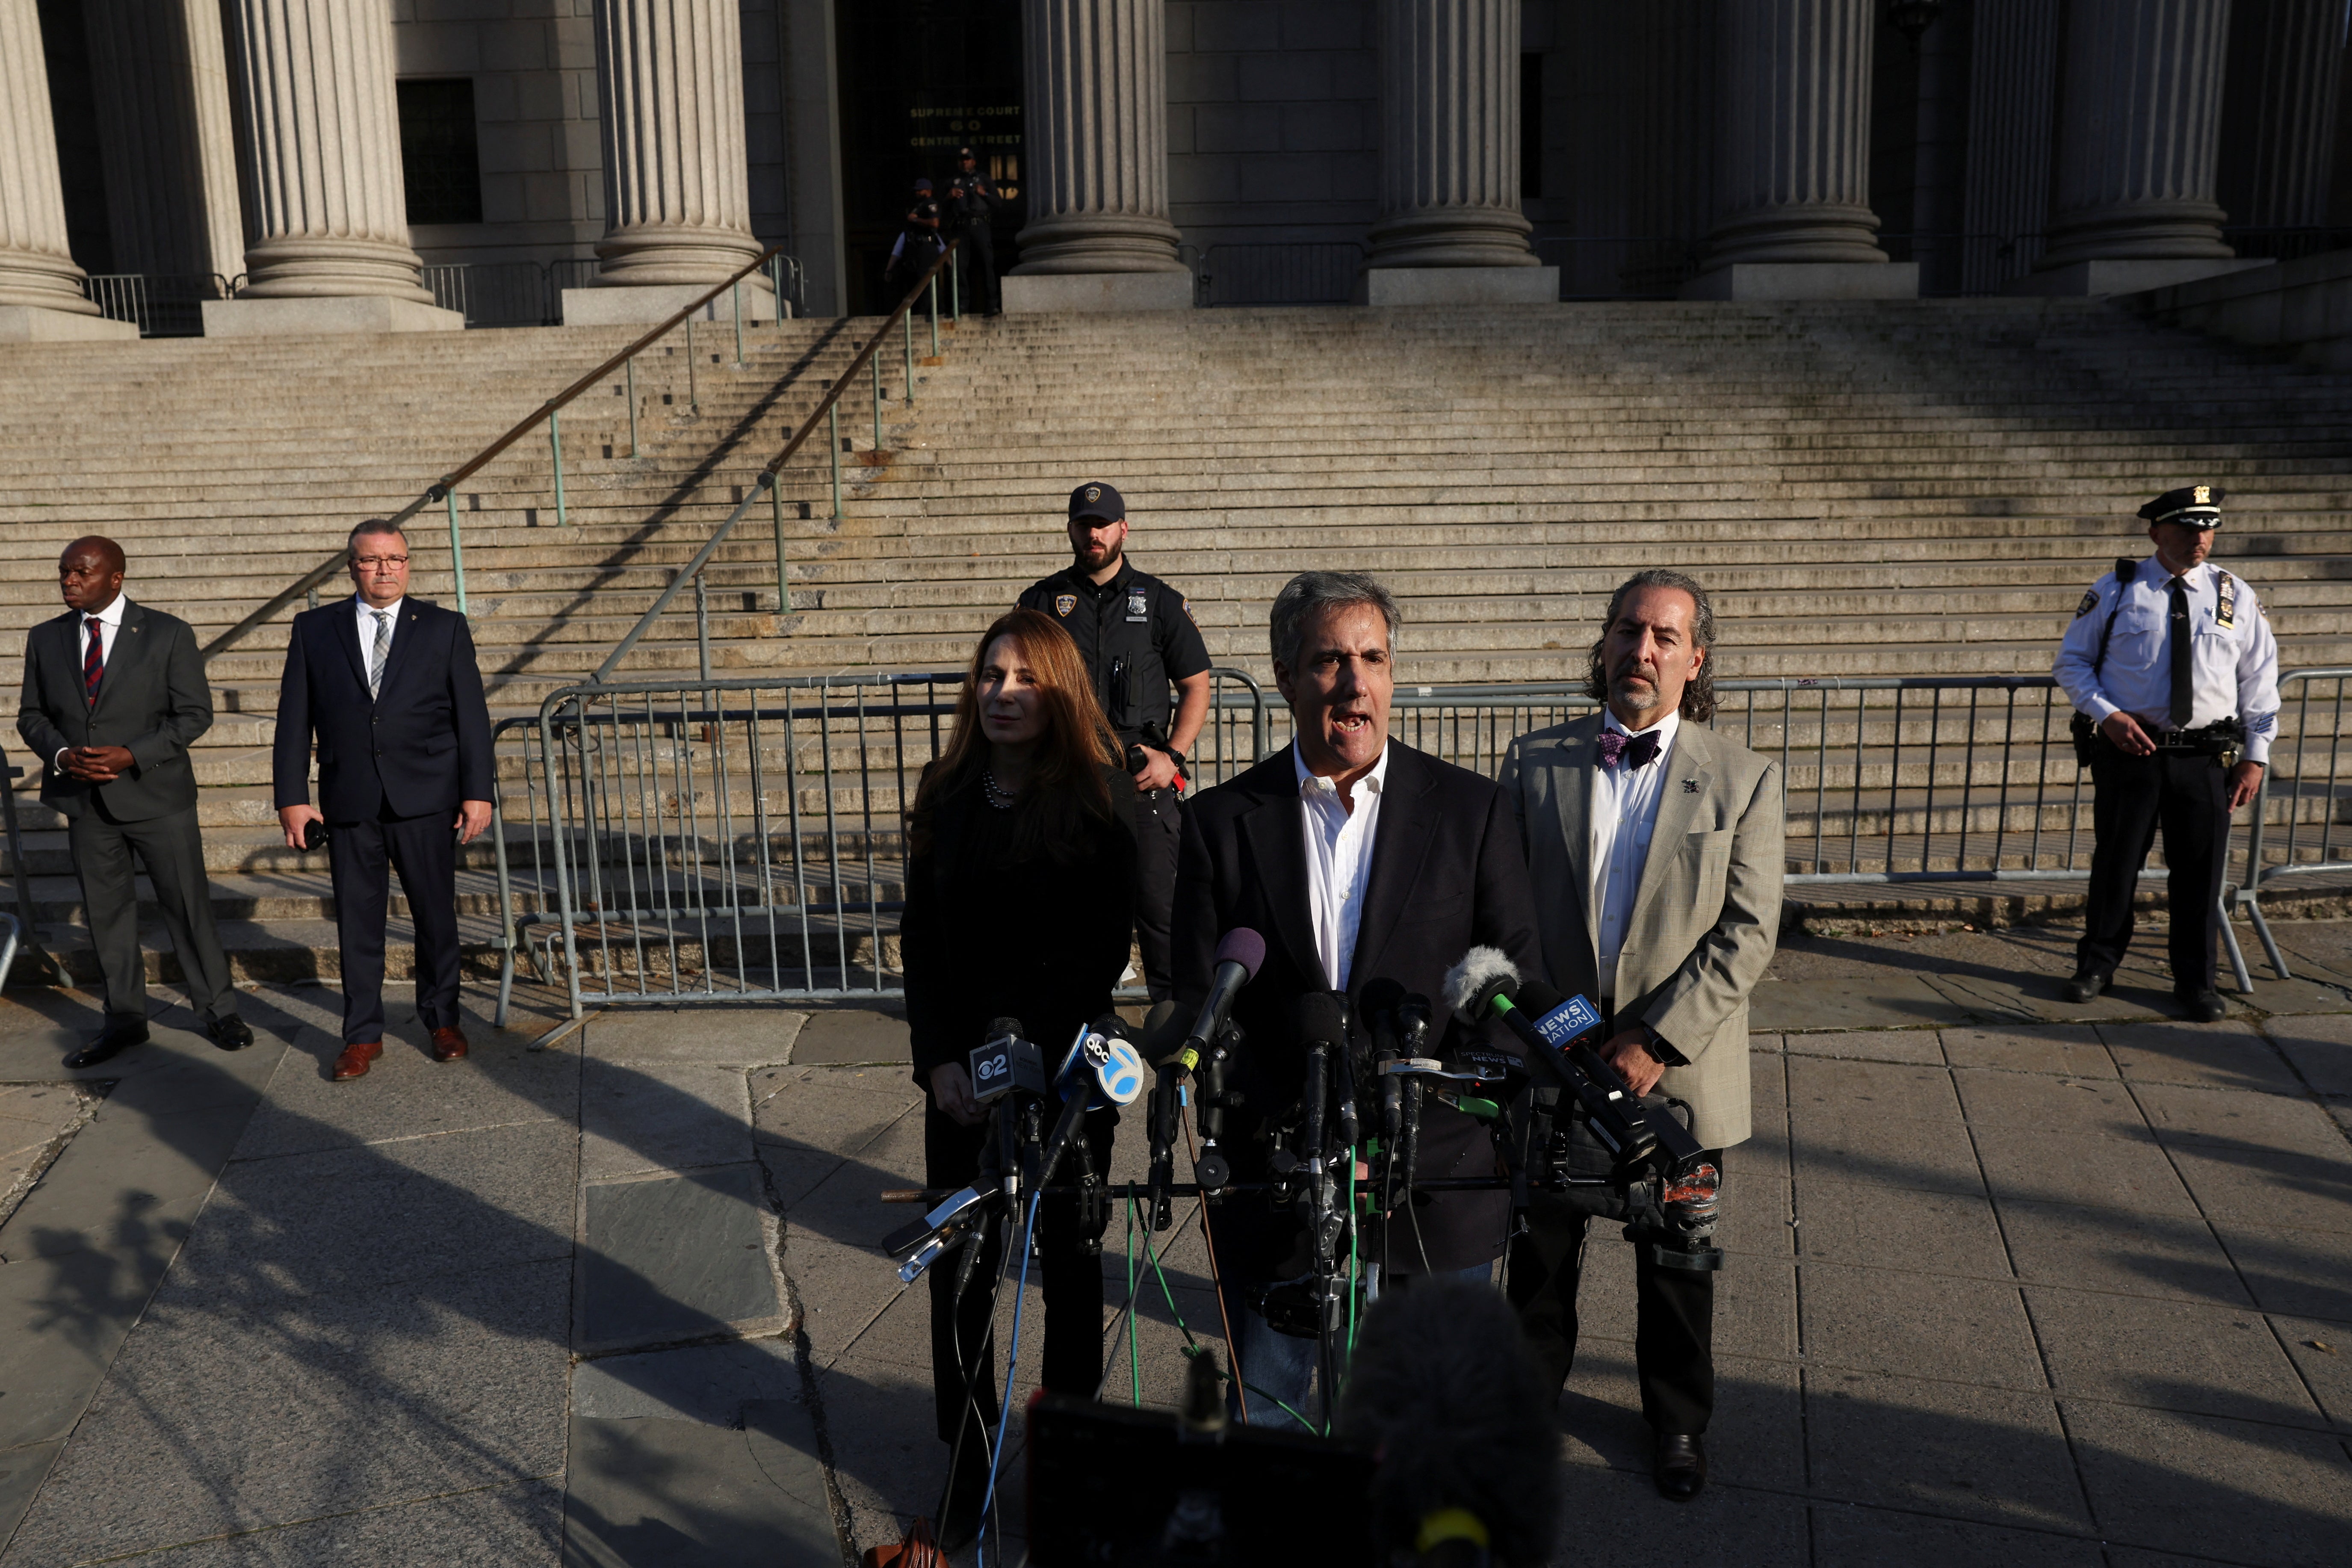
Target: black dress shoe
point(1680, 1466)
point(115, 1038)
point(2202, 1006)
point(230, 1034)
point(2083, 986)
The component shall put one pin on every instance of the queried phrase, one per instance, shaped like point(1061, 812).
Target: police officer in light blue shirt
point(2173, 673)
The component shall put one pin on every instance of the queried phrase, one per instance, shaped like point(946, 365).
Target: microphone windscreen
point(1479, 968)
point(1381, 996)
point(1536, 998)
point(1243, 946)
point(1322, 1016)
point(1004, 1029)
point(1163, 1031)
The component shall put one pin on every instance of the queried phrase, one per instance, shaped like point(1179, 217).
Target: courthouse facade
point(1156, 152)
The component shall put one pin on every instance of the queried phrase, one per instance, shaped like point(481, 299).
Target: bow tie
point(1632, 750)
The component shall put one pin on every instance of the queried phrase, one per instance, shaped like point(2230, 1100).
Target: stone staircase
point(1907, 489)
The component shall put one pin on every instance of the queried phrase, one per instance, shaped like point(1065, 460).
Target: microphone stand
point(1322, 1219)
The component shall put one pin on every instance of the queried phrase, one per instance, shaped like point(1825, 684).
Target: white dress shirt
point(1624, 813)
point(367, 613)
point(1338, 860)
point(2232, 669)
point(109, 626)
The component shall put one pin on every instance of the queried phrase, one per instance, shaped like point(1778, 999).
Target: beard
point(1635, 690)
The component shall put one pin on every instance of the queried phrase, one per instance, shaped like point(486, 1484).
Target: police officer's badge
point(2198, 495)
point(1137, 607)
point(2090, 602)
point(1094, 493)
point(1063, 604)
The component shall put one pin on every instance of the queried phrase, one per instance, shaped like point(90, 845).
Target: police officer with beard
point(972, 205)
point(1138, 638)
point(2173, 673)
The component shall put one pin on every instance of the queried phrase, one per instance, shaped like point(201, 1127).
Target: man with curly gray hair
point(1654, 845)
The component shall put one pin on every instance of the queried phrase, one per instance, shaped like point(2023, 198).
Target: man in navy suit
point(389, 686)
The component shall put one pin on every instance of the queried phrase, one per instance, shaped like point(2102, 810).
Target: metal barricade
point(739, 840)
point(24, 936)
point(2301, 826)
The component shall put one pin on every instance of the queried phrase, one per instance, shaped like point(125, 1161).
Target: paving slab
point(2318, 1048)
point(2160, 1479)
point(406, 1094)
point(514, 1524)
point(1877, 1090)
point(1919, 1046)
point(664, 1117)
point(2066, 1050)
point(1903, 1229)
point(1891, 1000)
point(238, 1406)
point(1965, 1331)
point(2231, 1054)
point(676, 1258)
point(708, 1383)
point(706, 1035)
point(2174, 1355)
point(1854, 1537)
point(1724, 1527)
point(2322, 1353)
point(62, 1320)
point(351, 1218)
point(1755, 1439)
point(2095, 1171)
point(2154, 1255)
point(2307, 1272)
point(848, 1035)
point(1837, 1142)
point(1949, 1449)
point(2069, 1107)
point(811, 1123)
point(657, 1492)
point(2247, 1184)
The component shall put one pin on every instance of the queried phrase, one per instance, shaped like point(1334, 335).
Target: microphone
point(1322, 1021)
point(1239, 952)
point(1381, 999)
point(1102, 1069)
point(1443, 1391)
point(1160, 1034)
point(1004, 1062)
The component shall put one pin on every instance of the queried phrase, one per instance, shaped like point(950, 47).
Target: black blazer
point(154, 700)
point(1447, 876)
point(421, 746)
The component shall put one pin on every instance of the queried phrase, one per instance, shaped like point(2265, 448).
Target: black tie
point(2184, 697)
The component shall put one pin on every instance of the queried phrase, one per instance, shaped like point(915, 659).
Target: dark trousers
point(1158, 832)
point(2189, 796)
point(1674, 1315)
point(1072, 1283)
point(423, 850)
point(170, 850)
point(978, 255)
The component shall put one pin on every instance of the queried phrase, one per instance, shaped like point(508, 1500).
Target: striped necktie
point(382, 647)
point(93, 660)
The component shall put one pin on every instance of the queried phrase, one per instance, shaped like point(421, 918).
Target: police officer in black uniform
point(972, 203)
point(918, 246)
point(1137, 636)
point(2173, 673)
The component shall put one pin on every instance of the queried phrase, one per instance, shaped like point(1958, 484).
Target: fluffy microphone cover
point(1444, 1395)
point(1480, 967)
point(1243, 946)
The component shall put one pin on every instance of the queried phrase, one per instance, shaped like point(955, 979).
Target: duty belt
point(2224, 738)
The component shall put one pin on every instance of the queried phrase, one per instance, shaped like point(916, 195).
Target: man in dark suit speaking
point(114, 695)
point(1358, 858)
point(389, 686)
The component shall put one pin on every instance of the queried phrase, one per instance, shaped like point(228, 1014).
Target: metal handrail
point(764, 482)
point(445, 488)
point(26, 937)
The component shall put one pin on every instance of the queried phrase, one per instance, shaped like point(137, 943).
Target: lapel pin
point(1690, 787)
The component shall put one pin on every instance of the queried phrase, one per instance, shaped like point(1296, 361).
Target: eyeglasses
point(375, 562)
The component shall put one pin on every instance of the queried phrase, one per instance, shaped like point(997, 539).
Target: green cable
point(1193, 1346)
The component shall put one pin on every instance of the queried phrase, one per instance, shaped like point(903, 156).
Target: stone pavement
point(2010, 1280)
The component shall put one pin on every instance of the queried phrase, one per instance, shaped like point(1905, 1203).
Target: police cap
point(2196, 505)
point(1098, 501)
point(964, 152)
point(922, 184)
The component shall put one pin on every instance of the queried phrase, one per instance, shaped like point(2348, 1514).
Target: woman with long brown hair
point(1020, 897)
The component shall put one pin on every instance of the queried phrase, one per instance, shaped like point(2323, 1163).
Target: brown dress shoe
point(355, 1059)
point(448, 1044)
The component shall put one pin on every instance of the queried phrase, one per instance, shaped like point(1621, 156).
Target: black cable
point(988, 1343)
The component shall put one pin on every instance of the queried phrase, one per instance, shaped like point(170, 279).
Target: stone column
point(1792, 157)
point(1450, 227)
point(677, 196)
point(162, 76)
point(2139, 124)
point(40, 287)
point(1095, 150)
point(327, 210)
point(2278, 129)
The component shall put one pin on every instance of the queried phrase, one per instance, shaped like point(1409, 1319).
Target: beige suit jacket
point(1706, 918)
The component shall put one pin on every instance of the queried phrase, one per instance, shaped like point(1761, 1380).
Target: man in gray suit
point(114, 695)
point(1655, 850)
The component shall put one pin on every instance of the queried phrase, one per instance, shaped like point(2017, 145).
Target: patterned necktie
point(2184, 684)
point(1634, 750)
point(382, 647)
point(93, 662)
